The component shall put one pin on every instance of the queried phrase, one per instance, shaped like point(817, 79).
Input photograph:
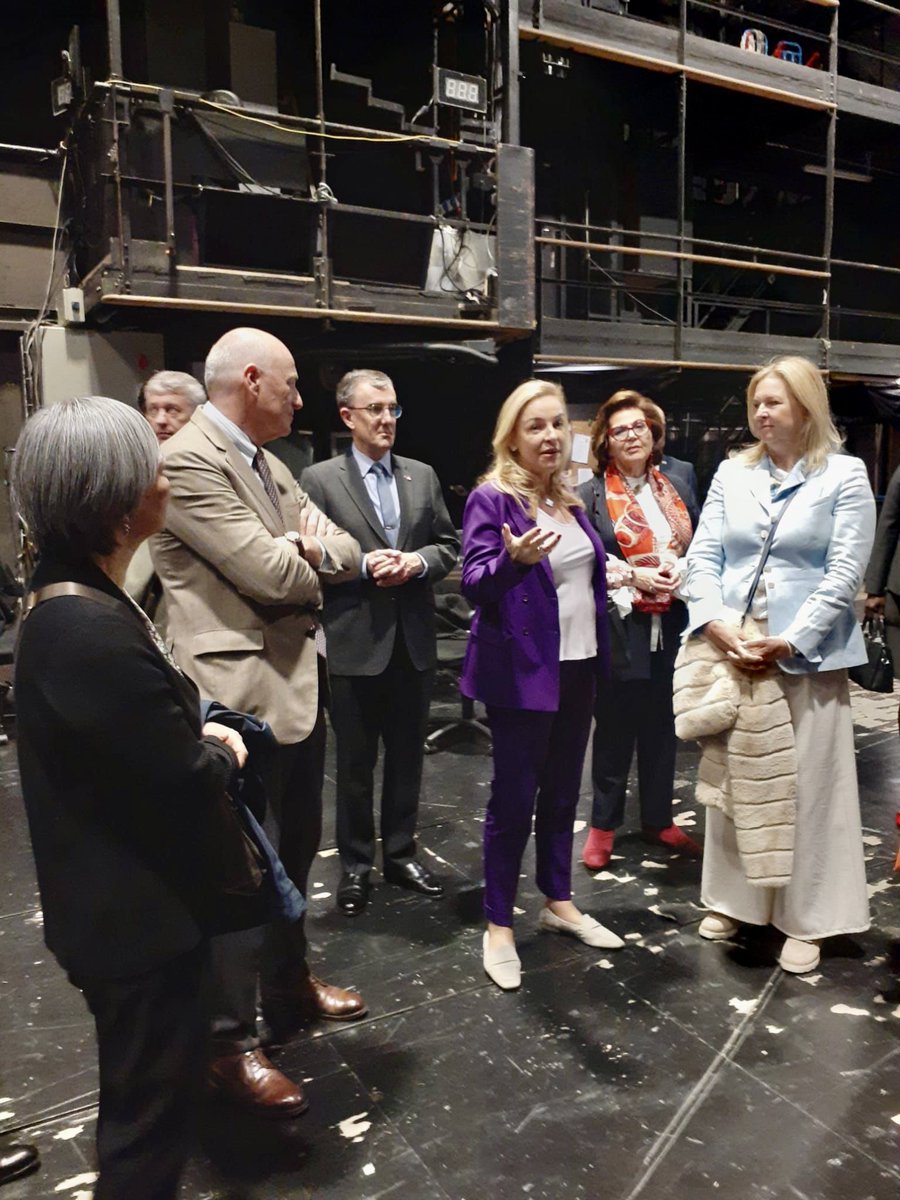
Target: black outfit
point(633, 707)
point(883, 571)
point(119, 787)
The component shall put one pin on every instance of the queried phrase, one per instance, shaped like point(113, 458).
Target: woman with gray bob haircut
point(121, 782)
point(79, 472)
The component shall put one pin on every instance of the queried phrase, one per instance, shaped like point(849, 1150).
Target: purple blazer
point(512, 658)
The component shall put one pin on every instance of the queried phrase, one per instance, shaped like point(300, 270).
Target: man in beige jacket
point(240, 561)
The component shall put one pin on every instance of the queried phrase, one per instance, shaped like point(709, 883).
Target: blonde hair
point(804, 383)
point(506, 473)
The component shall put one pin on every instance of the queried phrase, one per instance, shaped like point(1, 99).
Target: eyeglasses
point(375, 410)
point(621, 432)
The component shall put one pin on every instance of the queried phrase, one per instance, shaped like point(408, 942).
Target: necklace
point(550, 503)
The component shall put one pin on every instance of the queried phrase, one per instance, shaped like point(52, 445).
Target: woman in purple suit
point(534, 569)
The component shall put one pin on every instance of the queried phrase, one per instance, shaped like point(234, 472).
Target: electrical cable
point(631, 296)
point(30, 335)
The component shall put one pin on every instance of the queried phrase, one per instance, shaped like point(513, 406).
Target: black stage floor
point(674, 1068)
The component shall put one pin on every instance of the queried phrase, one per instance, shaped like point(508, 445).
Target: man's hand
point(311, 549)
point(874, 606)
point(308, 547)
point(392, 568)
point(314, 522)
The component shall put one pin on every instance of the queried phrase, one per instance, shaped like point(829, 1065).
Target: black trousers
point(634, 713)
point(391, 708)
point(151, 1041)
point(294, 826)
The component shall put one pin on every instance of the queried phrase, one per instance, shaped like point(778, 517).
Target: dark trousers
point(151, 1041)
point(294, 825)
point(391, 708)
point(538, 759)
point(634, 713)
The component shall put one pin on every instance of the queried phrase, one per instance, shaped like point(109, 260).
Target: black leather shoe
point(414, 876)
point(353, 892)
point(17, 1160)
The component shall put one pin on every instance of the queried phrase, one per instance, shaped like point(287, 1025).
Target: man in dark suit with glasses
point(380, 633)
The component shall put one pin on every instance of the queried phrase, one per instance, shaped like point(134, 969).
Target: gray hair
point(172, 383)
point(348, 384)
point(229, 356)
point(80, 467)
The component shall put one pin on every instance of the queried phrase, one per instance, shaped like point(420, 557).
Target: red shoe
point(673, 837)
point(598, 848)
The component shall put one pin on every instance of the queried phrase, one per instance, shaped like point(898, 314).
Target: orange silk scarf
point(633, 533)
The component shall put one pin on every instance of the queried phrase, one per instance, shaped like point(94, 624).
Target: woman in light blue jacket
point(804, 608)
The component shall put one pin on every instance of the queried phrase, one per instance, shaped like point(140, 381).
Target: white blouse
point(572, 562)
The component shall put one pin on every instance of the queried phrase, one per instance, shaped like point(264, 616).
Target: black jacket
point(630, 639)
point(117, 783)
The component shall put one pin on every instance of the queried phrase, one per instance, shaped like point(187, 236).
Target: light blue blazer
point(815, 566)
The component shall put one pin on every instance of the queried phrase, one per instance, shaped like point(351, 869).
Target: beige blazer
point(240, 602)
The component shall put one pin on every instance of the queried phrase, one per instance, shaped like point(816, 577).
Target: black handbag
point(876, 674)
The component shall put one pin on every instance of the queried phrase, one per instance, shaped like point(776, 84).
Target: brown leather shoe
point(318, 999)
point(250, 1080)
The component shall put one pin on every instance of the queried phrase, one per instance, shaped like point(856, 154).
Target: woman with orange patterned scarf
point(644, 507)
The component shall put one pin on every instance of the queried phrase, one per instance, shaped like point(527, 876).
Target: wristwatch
point(296, 541)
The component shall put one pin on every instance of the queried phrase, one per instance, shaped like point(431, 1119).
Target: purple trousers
point(538, 760)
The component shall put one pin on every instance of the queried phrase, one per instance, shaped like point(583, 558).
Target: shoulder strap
point(765, 554)
point(53, 590)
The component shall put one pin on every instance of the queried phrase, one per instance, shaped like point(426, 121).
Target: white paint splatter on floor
point(320, 896)
point(605, 964)
point(844, 1010)
point(369, 1169)
point(896, 1119)
point(355, 1126)
point(328, 853)
point(774, 1029)
point(744, 1007)
point(67, 1185)
point(579, 826)
point(812, 980)
point(651, 891)
point(436, 857)
point(66, 1135)
point(605, 876)
point(650, 865)
point(881, 886)
point(871, 840)
point(686, 818)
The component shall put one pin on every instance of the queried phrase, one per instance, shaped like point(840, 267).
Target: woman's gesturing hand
point(531, 546)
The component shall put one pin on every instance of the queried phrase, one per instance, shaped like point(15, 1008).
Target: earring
point(126, 526)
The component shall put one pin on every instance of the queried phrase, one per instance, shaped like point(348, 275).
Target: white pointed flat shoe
point(587, 930)
point(716, 927)
point(799, 957)
point(502, 964)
